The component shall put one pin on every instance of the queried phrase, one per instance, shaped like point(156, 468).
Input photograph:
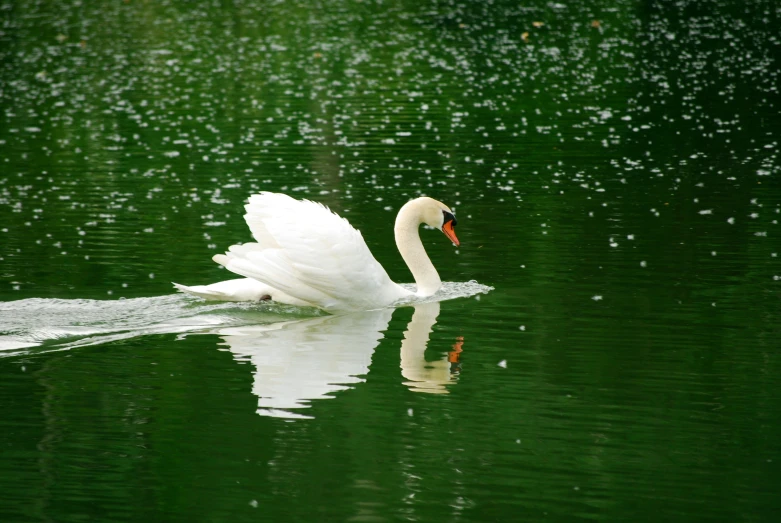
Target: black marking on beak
point(449, 218)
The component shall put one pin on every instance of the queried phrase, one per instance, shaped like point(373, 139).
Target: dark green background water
point(614, 167)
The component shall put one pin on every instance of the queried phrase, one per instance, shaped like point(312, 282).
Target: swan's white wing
point(310, 253)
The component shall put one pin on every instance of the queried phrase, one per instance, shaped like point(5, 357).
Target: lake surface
point(615, 173)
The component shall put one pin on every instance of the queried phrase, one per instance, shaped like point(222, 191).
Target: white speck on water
point(713, 253)
point(410, 412)
point(151, 276)
point(706, 211)
point(522, 327)
point(630, 236)
point(253, 503)
point(643, 263)
point(730, 220)
point(596, 297)
point(503, 364)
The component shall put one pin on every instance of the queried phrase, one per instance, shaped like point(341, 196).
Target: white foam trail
point(39, 324)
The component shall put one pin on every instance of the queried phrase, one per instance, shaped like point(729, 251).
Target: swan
point(304, 254)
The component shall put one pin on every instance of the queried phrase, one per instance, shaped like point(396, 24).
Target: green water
point(614, 168)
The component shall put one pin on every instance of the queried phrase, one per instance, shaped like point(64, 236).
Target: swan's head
point(436, 214)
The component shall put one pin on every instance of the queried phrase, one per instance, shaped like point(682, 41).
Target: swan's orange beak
point(447, 228)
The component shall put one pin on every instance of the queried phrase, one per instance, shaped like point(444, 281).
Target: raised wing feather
point(308, 252)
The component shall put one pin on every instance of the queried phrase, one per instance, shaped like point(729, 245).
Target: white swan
point(307, 255)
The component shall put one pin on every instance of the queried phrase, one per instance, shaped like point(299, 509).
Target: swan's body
point(306, 255)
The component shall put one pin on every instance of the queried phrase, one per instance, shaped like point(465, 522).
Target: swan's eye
point(449, 218)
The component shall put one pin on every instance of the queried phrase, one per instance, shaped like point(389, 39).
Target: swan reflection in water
point(300, 361)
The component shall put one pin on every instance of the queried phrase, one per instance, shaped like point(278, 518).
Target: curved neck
point(411, 249)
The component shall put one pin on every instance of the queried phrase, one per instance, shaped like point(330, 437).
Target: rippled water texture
point(614, 168)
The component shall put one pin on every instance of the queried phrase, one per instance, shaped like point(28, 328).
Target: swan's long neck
point(411, 248)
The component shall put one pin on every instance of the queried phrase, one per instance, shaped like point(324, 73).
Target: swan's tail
point(242, 289)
